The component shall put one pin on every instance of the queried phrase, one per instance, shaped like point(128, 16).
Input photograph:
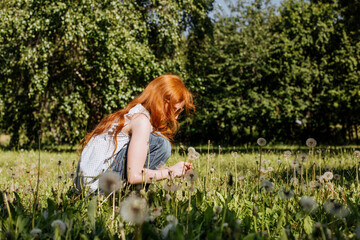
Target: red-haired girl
point(134, 141)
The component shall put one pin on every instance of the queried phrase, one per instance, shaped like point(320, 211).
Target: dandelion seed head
point(311, 142)
point(261, 142)
point(212, 170)
point(294, 164)
point(328, 176)
point(191, 150)
point(327, 168)
point(191, 175)
point(134, 209)
point(278, 161)
point(167, 197)
point(303, 157)
point(286, 194)
point(193, 156)
point(337, 177)
point(36, 232)
point(234, 154)
point(337, 209)
point(217, 209)
point(225, 225)
point(156, 212)
point(357, 153)
point(294, 181)
point(60, 225)
point(309, 205)
point(287, 154)
point(172, 219)
point(267, 185)
point(110, 181)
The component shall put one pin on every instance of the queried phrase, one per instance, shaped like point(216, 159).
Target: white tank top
point(97, 155)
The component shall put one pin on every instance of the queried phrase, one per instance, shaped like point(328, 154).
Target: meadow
point(258, 192)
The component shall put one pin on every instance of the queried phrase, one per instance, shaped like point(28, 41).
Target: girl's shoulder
point(138, 108)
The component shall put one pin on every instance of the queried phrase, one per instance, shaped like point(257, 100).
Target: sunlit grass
point(227, 200)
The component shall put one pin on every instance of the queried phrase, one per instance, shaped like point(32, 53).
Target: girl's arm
point(140, 128)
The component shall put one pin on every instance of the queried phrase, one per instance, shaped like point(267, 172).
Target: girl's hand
point(179, 169)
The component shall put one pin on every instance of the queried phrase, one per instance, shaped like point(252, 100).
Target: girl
point(134, 141)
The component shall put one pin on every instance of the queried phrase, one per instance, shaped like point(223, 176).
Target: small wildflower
point(36, 232)
point(286, 194)
point(309, 205)
point(287, 154)
point(261, 142)
point(134, 209)
point(336, 209)
point(60, 225)
point(191, 175)
point(310, 142)
point(212, 170)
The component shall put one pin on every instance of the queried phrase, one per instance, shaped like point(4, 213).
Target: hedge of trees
point(283, 74)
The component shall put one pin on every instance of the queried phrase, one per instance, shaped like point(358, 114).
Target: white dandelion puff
point(309, 205)
point(134, 209)
point(267, 185)
point(328, 176)
point(60, 225)
point(294, 164)
point(261, 142)
point(110, 181)
point(287, 154)
point(285, 194)
point(311, 142)
point(191, 175)
point(303, 157)
point(336, 209)
point(36, 232)
point(217, 209)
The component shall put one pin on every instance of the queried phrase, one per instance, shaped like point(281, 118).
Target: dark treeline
point(283, 74)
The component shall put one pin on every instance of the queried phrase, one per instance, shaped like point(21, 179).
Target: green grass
point(227, 182)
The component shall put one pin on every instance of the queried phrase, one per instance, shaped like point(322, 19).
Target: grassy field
point(301, 193)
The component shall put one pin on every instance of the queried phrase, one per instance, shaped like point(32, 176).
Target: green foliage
point(288, 75)
point(260, 72)
point(66, 64)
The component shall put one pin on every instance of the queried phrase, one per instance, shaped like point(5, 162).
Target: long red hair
point(164, 89)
